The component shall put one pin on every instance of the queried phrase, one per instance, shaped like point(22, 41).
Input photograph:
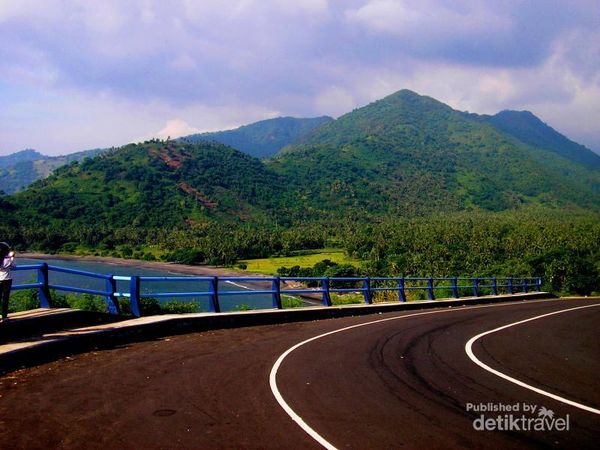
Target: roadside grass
point(346, 299)
point(269, 266)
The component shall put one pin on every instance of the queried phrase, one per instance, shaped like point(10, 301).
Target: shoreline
point(184, 269)
point(177, 269)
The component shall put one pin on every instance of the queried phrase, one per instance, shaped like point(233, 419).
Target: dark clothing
point(5, 286)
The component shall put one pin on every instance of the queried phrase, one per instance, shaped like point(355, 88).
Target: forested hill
point(265, 138)
point(261, 139)
point(408, 154)
point(406, 184)
point(531, 130)
point(403, 156)
point(155, 184)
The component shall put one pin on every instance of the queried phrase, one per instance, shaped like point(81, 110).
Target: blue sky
point(78, 74)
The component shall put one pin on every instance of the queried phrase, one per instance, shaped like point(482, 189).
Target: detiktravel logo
point(516, 417)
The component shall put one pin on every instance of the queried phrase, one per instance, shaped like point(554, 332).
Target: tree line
point(563, 249)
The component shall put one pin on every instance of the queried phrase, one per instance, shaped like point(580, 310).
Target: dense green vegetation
point(151, 185)
point(564, 250)
point(265, 138)
point(411, 155)
point(28, 299)
point(405, 185)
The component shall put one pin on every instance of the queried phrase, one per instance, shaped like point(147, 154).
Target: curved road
point(397, 380)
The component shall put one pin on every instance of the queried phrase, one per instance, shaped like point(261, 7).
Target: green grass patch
point(269, 266)
point(291, 302)
point(347, 299)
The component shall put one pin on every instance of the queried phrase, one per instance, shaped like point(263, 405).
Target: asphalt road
point(400, 380)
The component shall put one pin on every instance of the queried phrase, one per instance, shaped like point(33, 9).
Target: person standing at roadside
point(7, 263)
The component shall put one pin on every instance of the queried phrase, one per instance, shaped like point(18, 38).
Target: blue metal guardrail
point(368, 286)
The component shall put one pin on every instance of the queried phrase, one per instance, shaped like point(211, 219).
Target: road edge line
point(296, 418)
point(471, 355)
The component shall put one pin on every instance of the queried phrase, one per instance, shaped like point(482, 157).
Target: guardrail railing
point(315, 288)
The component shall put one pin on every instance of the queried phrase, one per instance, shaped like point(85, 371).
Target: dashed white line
point(295, 417)
point(470, 354)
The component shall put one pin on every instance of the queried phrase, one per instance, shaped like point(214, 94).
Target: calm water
point(227, 302)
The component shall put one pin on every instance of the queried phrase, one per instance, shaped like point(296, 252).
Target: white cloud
point(554, 91)
point(67, 121)
point(334, 101)
point(429, 17)
point(175, 128)
point(98, 74)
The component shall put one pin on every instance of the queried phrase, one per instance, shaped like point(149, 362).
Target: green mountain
point(154, 184)
point(405, 184)
point(265, 138)
point(408, 154)
point(532, 131)
point(261, 139)
point(403, 156)
point(20, 169)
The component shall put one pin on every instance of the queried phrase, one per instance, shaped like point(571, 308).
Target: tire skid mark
point(471, 355)
point(296, 418)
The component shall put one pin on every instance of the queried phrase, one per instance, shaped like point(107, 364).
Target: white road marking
point(470, 354)
point(296, 418)
point(238, 285)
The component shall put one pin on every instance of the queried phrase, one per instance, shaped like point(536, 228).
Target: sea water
point(226, 302)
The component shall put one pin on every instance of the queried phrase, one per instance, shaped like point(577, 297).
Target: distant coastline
point(210, 271)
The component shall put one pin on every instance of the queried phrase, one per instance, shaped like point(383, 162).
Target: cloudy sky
point(79, 74)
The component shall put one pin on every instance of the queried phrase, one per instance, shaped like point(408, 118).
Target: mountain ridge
point(264, 138)
point(260, 139)
point(399, 150)
point(529, 129)
point(405, 154)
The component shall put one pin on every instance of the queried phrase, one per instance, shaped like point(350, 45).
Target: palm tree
point(545, 413)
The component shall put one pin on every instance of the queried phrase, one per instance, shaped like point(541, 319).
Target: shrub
point(291, 302)
point(176, 307)
point(243, 307)
point(186, 256)
point(149, 306)
point(23, 300)
point(88, 302)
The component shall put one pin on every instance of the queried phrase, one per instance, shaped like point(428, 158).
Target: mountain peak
point(391, 114)
point(408, 98)
point(524, 115)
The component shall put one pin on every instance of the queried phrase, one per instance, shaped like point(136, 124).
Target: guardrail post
point(401, 293)
point(44, 291)
point(367, 291)
point(213, 304)
point(454, 287)
point(476, 287)
point(325, 288)
point(111, 302)
point(430, 288)
point(276, 288)
point(510, 285)
point(494, 286)
point(525, 286)
point(134, 295)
